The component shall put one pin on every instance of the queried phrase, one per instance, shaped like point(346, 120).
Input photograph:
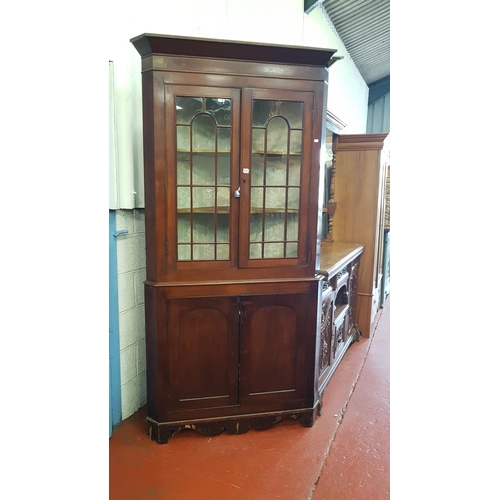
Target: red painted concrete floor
point(344, 456)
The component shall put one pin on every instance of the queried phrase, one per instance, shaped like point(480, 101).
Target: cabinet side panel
point(153, 375)
point(357, 180)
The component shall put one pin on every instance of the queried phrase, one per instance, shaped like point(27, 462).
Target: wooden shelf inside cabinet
point(274, 211)
point(203, 210)
point(202, 151)
point(277, 153)
point(225, 210)
point(340, 311)
point(227, 152)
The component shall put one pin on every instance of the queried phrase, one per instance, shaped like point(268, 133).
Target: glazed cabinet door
point(274, 178)
point(202, 138)
point(202, 347)
point(273, 350)
point(238, 177)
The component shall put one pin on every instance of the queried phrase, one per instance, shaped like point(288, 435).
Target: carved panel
point(326, 328)
point(338, 338)
point(331, 204)
point(341, 273)
point(353, 285)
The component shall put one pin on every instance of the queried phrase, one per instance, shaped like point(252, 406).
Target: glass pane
point(184, 252)
point(223, 198)
point(183, 198)
point(222, 229)
point(256, 250)
point(257, 170)
point(222, 252)
point(275, 198)
point(274, 228)
point(223, 171)
point(203, 198)
point(183, 138)
point(220, 109)
point(291, 250)
point(293, 198)
point(203, 228)
point(273, 250)
point(277, 136)
point(293, 112)
point(224, 143)
point(295, 141)
point(183, 228)
point(258, 139)
point(294, 170)
point(204, 133)
point(262, 111)
point(257, 199)
point(292, 227)
point(183, 168)
point(204, 168)
point(187, 107)
point(256, 227)
point(203, 252)
point(276, 170)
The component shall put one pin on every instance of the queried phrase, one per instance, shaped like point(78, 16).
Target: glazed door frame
point(171, 93)
point(246, 176)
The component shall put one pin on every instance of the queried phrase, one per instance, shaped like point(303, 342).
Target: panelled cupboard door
point(273, 349)
point(202, 352)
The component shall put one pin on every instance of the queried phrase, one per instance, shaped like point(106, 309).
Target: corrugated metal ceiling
point(364, 27)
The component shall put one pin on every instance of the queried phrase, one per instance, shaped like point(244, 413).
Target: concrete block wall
point(131, 266)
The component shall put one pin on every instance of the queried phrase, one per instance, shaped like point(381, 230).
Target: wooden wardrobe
point(360, 185)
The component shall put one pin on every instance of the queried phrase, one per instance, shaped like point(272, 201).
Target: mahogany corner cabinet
point(234, 292)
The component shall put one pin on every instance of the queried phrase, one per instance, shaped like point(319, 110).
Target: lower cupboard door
point(202, 352)
point(273, 346)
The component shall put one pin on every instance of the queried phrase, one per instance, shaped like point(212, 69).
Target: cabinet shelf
point(276, 153)
point(340, 311)
point(225, 210)
point(203, 210)
point(227, 152)
point(203, 151)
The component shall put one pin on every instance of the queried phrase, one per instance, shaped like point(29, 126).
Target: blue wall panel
point(115, 400)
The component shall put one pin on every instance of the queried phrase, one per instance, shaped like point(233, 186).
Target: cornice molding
point(334, 123)
point(360, 142)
